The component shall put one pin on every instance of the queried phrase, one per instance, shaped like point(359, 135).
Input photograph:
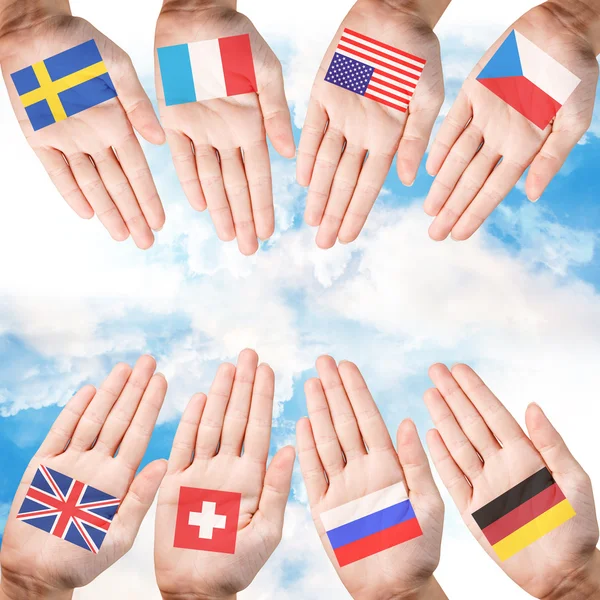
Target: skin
point(207, 452)
point(481, 129)
point(219, 146)
point(348, 142)
point(480, 452)
point(332, 444)
point(120, 415)
point(93, 158)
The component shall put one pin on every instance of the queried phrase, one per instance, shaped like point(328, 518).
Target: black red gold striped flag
point(523, 514)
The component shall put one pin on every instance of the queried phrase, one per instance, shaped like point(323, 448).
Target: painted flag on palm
point(528, 79)
point(524, 514)
point(68, 509)
point(375, 70)
point(63, 85)
point(207, 69)
point(371, 524)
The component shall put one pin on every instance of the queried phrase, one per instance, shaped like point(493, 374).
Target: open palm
point(348, 142)
point(478, 441)
point(219, 146)
point(82, 444)
point(484, 145)
point(332, 446)
point(94, 157)
point(207, 453)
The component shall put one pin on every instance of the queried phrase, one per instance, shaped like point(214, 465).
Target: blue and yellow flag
point(64, 85)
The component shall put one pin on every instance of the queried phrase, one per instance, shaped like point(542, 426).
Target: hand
point(337, 467)
point(93, 157)
point(481, 129)
point(342, 127)
point(207, 453)
point(481, 452)
point(82, 444)
point(219, 146)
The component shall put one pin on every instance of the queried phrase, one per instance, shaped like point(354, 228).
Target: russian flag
point(207, 69)
point(528, 79)
point(371, 524)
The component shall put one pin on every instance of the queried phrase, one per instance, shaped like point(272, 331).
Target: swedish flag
point(64, 85)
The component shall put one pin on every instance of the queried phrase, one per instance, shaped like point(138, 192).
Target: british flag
point(69, 509)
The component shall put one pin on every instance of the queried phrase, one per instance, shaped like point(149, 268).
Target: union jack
point(69, 509)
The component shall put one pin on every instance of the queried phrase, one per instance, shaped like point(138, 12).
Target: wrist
point(22, 14)
point(429, 11)
point(581, 584)
point(193, 596)
point(581, 17)
point(198, 4)
point(28, 588)
point(430, 590)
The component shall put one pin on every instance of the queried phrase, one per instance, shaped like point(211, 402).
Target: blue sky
point(520, 302)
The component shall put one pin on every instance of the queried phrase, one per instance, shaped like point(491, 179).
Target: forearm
point(584, 584)
point(178, 596)
point(21, 14)
point(580, 16)
point(430, 11)
point(29, 589)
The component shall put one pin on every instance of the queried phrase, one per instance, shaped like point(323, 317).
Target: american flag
point(375, 70)
point(68, 509)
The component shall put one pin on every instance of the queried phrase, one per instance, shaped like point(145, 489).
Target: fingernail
point(160, 375)
point(533, 199)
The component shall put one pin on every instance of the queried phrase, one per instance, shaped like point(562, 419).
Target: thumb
point(549, 443)
point(276, 115)
point(139, 498)
point(136, 104)
point(276, 487)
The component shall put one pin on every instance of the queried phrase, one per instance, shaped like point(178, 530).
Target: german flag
point(524, 514)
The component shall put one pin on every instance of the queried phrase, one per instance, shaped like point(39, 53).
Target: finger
point(211, 180)
point(459, 158)
point(238, 195)
point(182, 451)
point(276, 487)
point(134, 164)
point(136, 439)
point(63, 428)
point(258, 173)
point(137, 105)
point(91, 185)
point(94, 417)
point(454, 438)
point(468, 186)
point(184, 160)
point(124, 409)
point(413, 459)
point(276, 114)
point(500, 422)
point(258, 431)
point(325, 166)
point(451, 475)
point(344, 184)
point(370, 182)
point(211, 423)
point(503, 179)
point(138, 500)
point(61, 176)
point(310, 141)
point(238, 407)
point(452, 128)
point(549, 443)
point(549, 160)
point(120, 191)
point(344, 420)
point(312, 469)
point(413, 143)
point(328, 445)
point(468, 417)
point(371, 424)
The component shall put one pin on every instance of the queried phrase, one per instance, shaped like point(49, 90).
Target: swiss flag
point(207, 520)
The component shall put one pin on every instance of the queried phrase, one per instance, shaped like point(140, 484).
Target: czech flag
point(528, 79)
point(207, 69)
point(371, 524)
point(524, 514)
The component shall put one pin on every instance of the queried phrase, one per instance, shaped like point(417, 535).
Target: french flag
point(207, 69)
point(371, 524)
